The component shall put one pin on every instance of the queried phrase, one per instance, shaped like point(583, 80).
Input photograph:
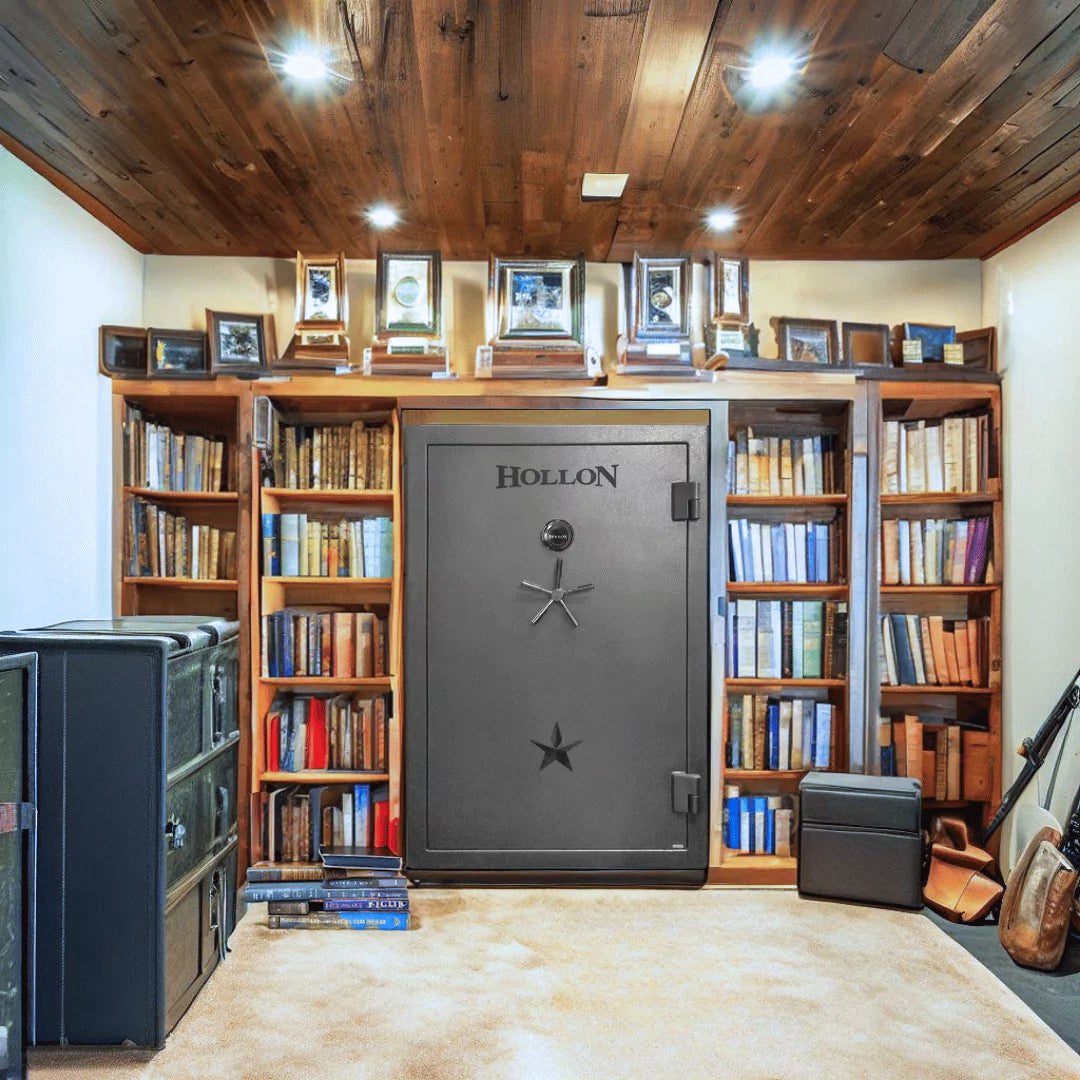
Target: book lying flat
point(263, 892)
point(373, 858)
point(341, 920)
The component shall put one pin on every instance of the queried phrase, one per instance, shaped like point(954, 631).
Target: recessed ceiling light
point(771, 69)
point(382, 216)
point(305, 65)
point(603, 185)
point(720, 219)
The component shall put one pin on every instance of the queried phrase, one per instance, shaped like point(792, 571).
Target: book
point(370, 903)
point(361, 857)
point(341, 920)
point(782, 464)
point(267, 871)
point(256, 892)
point(348, 455)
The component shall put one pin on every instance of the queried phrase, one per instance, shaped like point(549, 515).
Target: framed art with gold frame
point(407, 294)
point(321, 296)
point(660, 298)
point(729, 290)
point(808, 341)
point(537, 300)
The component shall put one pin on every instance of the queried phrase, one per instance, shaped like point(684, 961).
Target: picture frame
point(408, 289)
point(808, 341)
point(660, 288)
point(537, 301)
point(866, 345)
point(729, 290)
point(123, 352)
point(933, 337)
point(321, 295)
point(980, 351)
point(239, 344)
point(177, 354)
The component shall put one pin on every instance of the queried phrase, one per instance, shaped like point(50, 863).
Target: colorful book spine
point(341, 920)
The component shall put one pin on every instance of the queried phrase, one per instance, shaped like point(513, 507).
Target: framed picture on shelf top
point(321, 298)
point(178, 354)
point(934, 338)
point(660, 298)
point(730, 290)
point(239, 344)
point(122, 352)
point(407, 289)
point(866, 344)
point(537, 300)
point(808, 341)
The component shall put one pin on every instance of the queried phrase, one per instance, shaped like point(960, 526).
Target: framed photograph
point(866, 344)
point(122, 352)
point(178, 354)
point(730, 288)
point(933, 338)
point(407, 288)
point(660, 298)
point(320, 290)
point(537, 300)
point(979, 348)
point(808, 341)
point(239, 344)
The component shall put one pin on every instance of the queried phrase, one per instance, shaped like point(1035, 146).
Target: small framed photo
point(933, 338)
point(808, 341)
point(320, 290)
point(537, 300)
point(239, 344)
point(866, 344)
point(730, 289)
point(407, 287)
point(177, 354)
point(122, 352)
point(660, 298)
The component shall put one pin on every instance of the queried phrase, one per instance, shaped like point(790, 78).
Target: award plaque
point(727, 330)
point(322, 312)
point(658, 341)
point(408, 316)
point(536, 312)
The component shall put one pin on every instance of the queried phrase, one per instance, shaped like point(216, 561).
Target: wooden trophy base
point(425, 359)
point(537, 362)
point(660, 359)
point(319, 357)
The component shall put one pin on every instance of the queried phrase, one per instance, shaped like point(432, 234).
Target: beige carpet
point(524, 984)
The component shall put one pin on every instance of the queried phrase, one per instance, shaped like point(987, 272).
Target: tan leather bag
point(1039, 901)
point(959, 885)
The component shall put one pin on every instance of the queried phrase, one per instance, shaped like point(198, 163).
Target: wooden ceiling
point(918, 129)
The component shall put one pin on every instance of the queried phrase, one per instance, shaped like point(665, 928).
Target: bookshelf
point(942, 593)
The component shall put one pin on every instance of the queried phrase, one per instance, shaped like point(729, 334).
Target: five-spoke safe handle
point(556, 595)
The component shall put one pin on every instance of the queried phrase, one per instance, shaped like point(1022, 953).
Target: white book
point(819, 465)
point(302, 541)
point(774, 465)
point(746, 830)
point(935, 461)
point(742, 465)
point(903, 532)
point(735, 544)
point(797, 477)
point(756, 552)
point(800, 552)
point(822, 552)
point(796, 733)
point(729, 644)
point(822, 734)
point(790, 552)
point(759, 824)
point(888, 672)
point(918, 557)
point(914, 633)
point(808, 466)
point(746, 636)
point(953, 452)
point(929, 565)
point(783, 832)
point(748, 731)
point(764, 540)
point(776, 617)
point(796, 639)
point(785, 733)
point(347, 819)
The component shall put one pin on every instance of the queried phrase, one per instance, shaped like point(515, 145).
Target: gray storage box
point(860, 838)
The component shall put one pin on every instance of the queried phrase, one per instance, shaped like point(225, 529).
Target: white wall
point(1029, 293)
point(62, 275)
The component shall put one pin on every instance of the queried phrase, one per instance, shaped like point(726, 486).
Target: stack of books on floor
point(351, 888)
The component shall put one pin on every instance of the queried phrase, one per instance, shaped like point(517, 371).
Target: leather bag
point(1039, 901)
point(959, 886)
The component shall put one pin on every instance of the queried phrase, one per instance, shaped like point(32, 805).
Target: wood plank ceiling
point(918, 128)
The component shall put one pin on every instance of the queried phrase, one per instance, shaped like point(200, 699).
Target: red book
point(394, 839)
point(318, 746)
point(382, 823)
point(273, 741)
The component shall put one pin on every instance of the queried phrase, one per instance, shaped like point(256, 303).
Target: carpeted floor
point(530, 984)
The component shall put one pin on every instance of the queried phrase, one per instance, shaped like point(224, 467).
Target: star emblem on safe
point(557, 751)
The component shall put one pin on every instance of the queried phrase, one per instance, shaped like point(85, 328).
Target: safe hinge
point(685, 500)
point(684, 792)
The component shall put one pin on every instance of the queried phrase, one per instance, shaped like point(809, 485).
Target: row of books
point(770, 732)
point(952, 761)
point(946, 455)
point(324, 644)
point(301, 821)
point(786, 551)
point(784, 465)
point(929, 650)
point(353, 456)
point(296, 546)
point(759, 824)
point(348, 888)
point(157, 456)
point(934, 551)
point(786, 639)
point(158, 543)
point(311, 731)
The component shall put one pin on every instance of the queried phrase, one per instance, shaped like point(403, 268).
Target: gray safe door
point(556, 645)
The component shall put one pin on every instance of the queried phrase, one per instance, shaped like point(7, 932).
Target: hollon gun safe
point(556, 643)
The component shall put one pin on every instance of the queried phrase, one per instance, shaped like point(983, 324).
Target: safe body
point(139, 735)
point(561, 742)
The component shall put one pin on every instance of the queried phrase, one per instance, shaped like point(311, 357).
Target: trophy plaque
point(408, 316)
point(322, 312)
point(658, 341)
point(727, 331)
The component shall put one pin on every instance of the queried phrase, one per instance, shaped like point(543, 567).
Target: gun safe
point(556, 643)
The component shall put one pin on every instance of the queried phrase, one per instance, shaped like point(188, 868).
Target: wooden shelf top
point(787, 500)
point(765, 774)
point(380, 682)
point(937, 590)
point(915, 498)
point(931, 688)
point(324, 776)
point(779, 588)
point(763, 684)
point(334, 495)
point(759, 862)
point(373, 583)
point(182, 496)
point(218, 585)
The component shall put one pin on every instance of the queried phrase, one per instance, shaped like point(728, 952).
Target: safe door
point(556, 642)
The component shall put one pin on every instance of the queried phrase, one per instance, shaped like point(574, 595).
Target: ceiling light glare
point(771, 70)
point(720, 220)
point(305, 66)
point(382, 217)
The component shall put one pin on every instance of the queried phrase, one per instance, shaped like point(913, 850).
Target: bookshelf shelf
point(932, 688)
point(779, 588)
point(324, 776)
point(182, 496)
point(958, 497)
point(765, 774)
point(371, 583)
point(938, 590)
point(749, 685)
point(212, 584)
point(380, 684)
point(329, 495)
point(790, 501)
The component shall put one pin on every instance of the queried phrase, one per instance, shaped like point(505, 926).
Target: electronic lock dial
point(557, 535)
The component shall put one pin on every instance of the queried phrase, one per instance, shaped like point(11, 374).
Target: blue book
point(289, 526)
point(773, 717)
point(822, 544)
point(811, 554)
point(905, 663)
point(258, 892)
point(271, 545)
point(760, 811)
point(747, 550)
point(362, 815)
point(341, 920)
point(746, 825)
point(376, 903)
point(770, 831)
point(822, 734)
point(288, 645)
point(731, 837)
